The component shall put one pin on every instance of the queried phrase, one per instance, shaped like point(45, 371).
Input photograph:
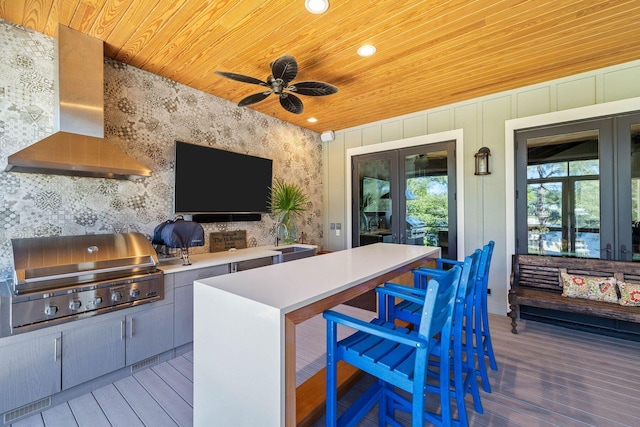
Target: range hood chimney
point(78, 147)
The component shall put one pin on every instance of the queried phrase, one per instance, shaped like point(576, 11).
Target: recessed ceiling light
point(317, 6)
point(366, 50)
point(312, 120)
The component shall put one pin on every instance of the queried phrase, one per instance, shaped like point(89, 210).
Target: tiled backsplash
point(144, 115)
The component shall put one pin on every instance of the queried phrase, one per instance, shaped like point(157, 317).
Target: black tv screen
point(209, 180)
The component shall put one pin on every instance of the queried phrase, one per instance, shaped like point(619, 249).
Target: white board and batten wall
point(489, 121)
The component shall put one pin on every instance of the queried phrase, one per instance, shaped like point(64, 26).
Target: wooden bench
point(536, 282)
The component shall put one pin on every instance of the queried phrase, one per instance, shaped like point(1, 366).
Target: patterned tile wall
point(144, 115)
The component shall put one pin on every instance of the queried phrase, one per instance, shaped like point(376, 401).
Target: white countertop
point(225, 257)
point(289, 286)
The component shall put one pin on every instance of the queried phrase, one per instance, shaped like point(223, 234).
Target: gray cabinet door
point(252, 263)
point(149, 332)
point(30, 371)
point(92, 351)
point(183, 305)
point(183, 299)
point(185, 278)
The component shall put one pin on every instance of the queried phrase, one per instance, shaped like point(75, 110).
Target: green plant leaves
point(287, 198)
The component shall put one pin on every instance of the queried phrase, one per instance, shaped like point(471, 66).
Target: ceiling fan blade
point(241, 78)
point(291, 103)
point(285, 68)
point(252, 99)
point(311, 88)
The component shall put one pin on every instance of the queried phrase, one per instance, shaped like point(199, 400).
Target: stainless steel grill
point(416, 228)
point(59, 279)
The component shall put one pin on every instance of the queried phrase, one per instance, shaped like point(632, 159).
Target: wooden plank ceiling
point(429, 53)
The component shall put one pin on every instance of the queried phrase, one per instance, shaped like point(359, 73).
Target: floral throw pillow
point(595, 288)
point(629, 293)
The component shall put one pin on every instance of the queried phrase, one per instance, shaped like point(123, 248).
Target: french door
point(578, 189)
point(628, 194)
point(406, 196)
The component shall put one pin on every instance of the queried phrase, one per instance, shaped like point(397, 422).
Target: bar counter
point(244, 327)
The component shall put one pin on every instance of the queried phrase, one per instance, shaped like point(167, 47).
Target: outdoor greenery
point(431, 205)
point(555, 192)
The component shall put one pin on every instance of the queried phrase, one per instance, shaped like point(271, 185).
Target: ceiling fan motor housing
point(277, 85)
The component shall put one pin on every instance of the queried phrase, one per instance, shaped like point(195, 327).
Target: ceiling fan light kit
point(283, 71)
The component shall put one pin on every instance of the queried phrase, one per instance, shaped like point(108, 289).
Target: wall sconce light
point(482, 161)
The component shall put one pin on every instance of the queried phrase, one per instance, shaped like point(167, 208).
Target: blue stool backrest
point(485, 261)
point(437, 310)
point(468, 278)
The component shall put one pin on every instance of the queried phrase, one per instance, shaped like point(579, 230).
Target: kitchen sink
point(290, 253)
point(291, 249)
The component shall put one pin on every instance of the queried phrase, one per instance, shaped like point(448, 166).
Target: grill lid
point(78, 259)
point(413, 222)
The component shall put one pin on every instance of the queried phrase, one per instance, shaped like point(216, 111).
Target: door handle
point(56, 349)
point(607, 249)
point(624, 251)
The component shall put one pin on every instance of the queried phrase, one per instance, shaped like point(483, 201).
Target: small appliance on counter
point(178, 234)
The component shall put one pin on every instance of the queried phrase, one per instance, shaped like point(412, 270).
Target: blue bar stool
point(406, 310)
point(481, 306)
point(399, 357)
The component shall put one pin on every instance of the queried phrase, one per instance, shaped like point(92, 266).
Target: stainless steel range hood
point(78, 147)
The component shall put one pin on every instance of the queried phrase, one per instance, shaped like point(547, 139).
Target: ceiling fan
point(283, 71)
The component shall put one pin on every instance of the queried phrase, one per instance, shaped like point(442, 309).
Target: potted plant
point(287, 202)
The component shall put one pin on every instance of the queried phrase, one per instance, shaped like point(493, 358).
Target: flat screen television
point(222, 183)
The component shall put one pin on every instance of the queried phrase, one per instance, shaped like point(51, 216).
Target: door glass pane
point(635, 190)
point(563, 195)
point(544, 206)
point(426, 194)
point(547, 170)
point(586, 222)
point(374, 219)
point(584, 167)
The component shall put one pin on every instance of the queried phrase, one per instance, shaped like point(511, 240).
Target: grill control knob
point(75, 304)
point(50, 310)
point(134, 293)
point(97, 301)
point(116, 296)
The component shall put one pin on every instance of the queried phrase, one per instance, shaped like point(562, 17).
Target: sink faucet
point(285, 232)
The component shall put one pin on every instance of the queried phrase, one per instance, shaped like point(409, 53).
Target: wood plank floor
point(547, 376)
